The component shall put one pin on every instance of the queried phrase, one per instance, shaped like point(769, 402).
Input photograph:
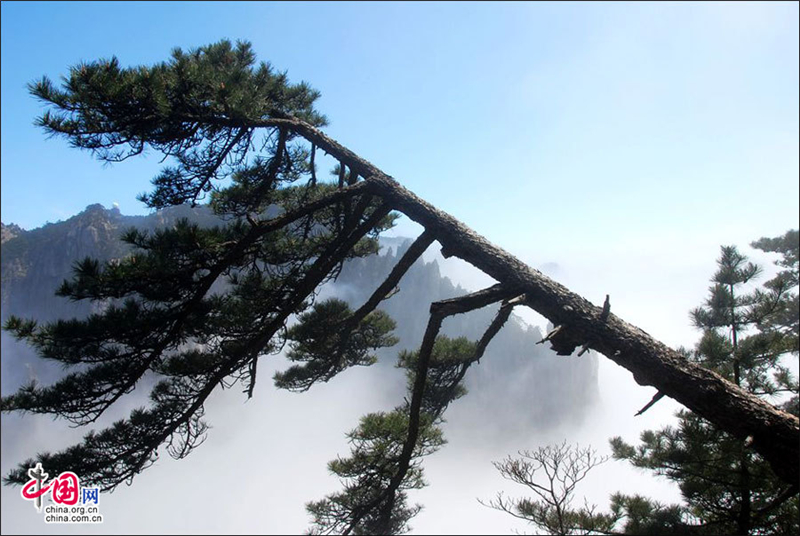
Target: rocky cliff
point(514, 372)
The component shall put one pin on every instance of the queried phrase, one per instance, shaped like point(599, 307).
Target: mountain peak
point(7, 232)
point(94, 207)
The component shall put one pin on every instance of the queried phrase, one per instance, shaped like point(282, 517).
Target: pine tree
point(728, 488)
point(197, 308)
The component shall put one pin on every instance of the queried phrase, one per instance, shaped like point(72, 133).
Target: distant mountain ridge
point(514, 371)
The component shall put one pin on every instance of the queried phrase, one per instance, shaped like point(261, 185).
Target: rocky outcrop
point(513, 372)
point(7, 232)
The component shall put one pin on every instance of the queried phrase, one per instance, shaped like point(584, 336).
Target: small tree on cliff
point(727, 488)
point(244, 139)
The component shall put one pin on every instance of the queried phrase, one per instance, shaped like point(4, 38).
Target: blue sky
point(619, 144)
point(613, 139)
point(614, 112)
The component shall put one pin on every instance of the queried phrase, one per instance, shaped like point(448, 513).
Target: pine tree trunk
point(775, 434)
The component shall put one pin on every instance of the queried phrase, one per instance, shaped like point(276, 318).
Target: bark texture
point(775, 433)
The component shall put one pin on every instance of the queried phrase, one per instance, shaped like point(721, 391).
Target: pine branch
point(321, 269)
point(160, 424)
point(413, 253)
point(787, 494)
point(494, 328)
point(705, 392)
point(439, 311)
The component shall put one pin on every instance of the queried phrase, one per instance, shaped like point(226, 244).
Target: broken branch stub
point(776, 433)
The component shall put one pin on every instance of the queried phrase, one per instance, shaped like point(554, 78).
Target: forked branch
point(776, 433)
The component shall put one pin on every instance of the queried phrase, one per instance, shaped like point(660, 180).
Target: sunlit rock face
point(7, 232)
point(35, 262)
point(517, 385)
